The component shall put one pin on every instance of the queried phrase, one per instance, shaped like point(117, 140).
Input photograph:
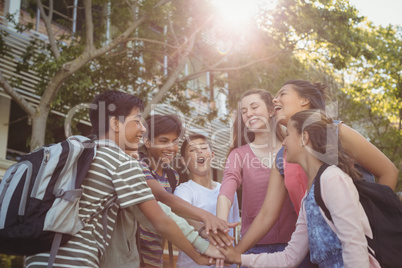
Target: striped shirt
point(151, 242)
point(112, 174)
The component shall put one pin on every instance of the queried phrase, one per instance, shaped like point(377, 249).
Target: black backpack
point(384, 212)
point(39, 197)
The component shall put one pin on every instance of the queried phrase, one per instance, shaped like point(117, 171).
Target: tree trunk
point(38, 130)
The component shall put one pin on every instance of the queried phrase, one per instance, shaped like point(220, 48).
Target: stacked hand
point(222, 255)
point(231, 254)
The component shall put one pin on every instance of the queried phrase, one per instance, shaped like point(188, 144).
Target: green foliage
point(317, 40)
point(10, 261)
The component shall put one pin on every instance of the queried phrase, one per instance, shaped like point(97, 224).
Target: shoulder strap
point(317, 191)
point(172, 178)
point(279, 161)
point(170, 173)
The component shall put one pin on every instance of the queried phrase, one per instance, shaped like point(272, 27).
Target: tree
point(147, 34)
point(60, 62)
point(144, 34)
point(376, 82)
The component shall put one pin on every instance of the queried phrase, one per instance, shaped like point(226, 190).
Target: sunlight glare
point(237, 12)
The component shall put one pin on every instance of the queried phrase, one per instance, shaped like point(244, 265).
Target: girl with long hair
point(249, 164)
point(312, 142)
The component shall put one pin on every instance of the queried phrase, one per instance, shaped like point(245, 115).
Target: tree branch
point(25, 105)
point(74, 65)
point(172, 78)
point(227, 69)
point(89, 26)
point(48, 25)
point(151, 41)
point(172, 31)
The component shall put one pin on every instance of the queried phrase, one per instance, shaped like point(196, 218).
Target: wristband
point(201, 229)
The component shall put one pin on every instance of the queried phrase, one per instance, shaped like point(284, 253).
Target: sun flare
point(237, 12)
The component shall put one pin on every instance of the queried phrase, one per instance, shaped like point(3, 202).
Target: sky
point(381, 12)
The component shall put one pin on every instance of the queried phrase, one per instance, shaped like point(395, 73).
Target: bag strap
point(58, 236)
point(173, 183)
point(170, 173)
point(317, 191)
point(171, 178)
point(280, 161)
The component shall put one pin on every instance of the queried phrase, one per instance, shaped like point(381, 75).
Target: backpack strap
point(169, 172)
point(317, 191)
point(172, 178)
point(58, 236)
point(280, 161)
point(55, 247)
point(173, 183)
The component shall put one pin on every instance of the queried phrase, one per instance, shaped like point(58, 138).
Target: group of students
point(281, 224)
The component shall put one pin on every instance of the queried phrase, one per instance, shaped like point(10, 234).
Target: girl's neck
point(310, 165)
point(264, 138)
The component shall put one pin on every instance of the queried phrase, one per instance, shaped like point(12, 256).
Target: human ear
point(114, 124)
point(305, 138)
point(212, 155)
point(147, 143)
point(305, 102)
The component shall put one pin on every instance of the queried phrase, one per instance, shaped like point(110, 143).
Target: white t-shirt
point(204, 198)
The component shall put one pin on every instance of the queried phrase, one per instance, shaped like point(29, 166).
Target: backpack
point(39, 197)
point(384, 212)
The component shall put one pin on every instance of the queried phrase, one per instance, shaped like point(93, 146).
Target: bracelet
point(201, 229)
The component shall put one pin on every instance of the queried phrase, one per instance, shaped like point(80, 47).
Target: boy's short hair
point(158, 124)
point(191, 138)
point(111, 103)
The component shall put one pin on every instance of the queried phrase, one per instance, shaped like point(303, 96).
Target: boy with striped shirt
point(116, 119)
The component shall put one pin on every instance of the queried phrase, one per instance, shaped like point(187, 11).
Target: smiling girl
point(312, 141)
point(293, 97)
point(249, 164)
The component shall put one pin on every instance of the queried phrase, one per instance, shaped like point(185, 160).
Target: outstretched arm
point(268, 215)
point(223, 206)
point(169, 229)
point(369, 156)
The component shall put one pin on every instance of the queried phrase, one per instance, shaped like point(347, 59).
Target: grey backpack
point(39, 197)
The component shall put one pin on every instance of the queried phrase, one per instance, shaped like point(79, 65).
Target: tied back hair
point(315, 92)
point(240, 133)
point(324, 138)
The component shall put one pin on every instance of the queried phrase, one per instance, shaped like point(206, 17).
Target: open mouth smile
point(200, 160)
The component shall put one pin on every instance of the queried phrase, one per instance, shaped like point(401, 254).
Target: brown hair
point(324, 139)
point(191, 138)
point(181, 168)
point(314, 92)
point(241, 135)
